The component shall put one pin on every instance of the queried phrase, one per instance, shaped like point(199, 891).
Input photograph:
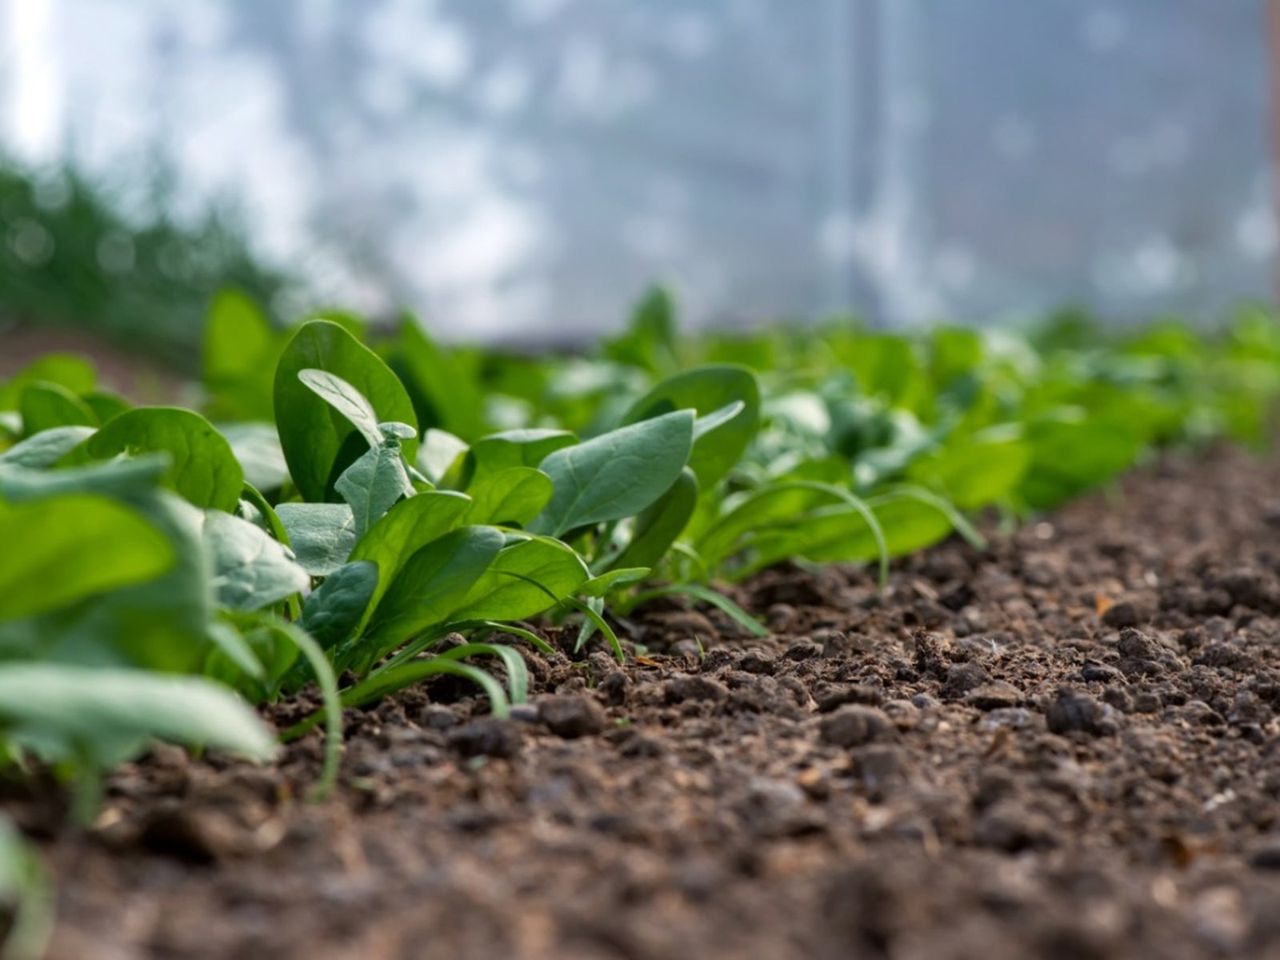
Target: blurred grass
point(71, 257)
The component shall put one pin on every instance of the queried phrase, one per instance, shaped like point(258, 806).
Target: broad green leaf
point(886, 366)
point(115, 478)
point(62, 549)
point(649, 341)
point(658, 527)
point(202, 467)
point(512, 496)
point(619, 577)
point(240, 354)
point(68, 370)
point(103, 716)
point(838, 535)
point(45, 406)
point(321, 535)
point(443, 394)
point(1070, 454)
point(346, 399)
point(46, 448)
point(334, 611)
point(974, 471)
point(763, 509)
point(505, 591)
point(105, 406)
point(372, 485)
point(512, 448)
point(407, 527)
point(250, 569)
point(313, 434)
point(432, 584)
point(236, 337)
point(160, 624)
point(616, 474)
point(707, 390)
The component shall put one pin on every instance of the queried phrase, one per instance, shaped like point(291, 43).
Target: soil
point(119, 370)
point(1064, 746)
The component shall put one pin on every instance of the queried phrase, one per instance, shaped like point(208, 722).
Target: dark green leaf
point(432, 584)
point(334, 611)
point(322, 535)
point(658, 527)
point(373, 484)
point(202, 467)
point(63, 549)
point(514, 495)
point(709, 390)
point(250, 569)
point(312, 433)
point(616, 474)
point(505, 591)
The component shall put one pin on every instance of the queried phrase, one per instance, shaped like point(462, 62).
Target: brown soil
point(123, 371)
point(1067, 746)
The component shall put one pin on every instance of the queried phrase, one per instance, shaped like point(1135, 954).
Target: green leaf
point(322, 535)
point(407, 527)
point(512, 448)
point(63, 549)
point(102, 716)
point(974, 471)
point(619, 577)
point(240, 354)
point(649, 341)
point(115, 478)
point(26, 891)
point(45, 406)
point(403, 675)
point(312, 433)
point(512, 496)
point(616, 474)
point(658, 527)
point(105, 406)
point(1071, 454)
point(65, 369)
point(433, 583)
point(713, 389)
point(333, 612)
point(790, 515)
point(835, 535)
point(46, 448)
point(346, 399)
point(202, 467)
point(443, 394)
point(250, 569)
point(373, 484)
point(505, 593)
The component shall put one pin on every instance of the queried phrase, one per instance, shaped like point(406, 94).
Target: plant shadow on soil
point(1065, 746)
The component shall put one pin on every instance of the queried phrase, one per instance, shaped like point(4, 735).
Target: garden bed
point(1064, 746)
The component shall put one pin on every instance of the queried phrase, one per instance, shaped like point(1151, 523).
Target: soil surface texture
point(1065, 746)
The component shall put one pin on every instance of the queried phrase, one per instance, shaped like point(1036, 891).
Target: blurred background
point(518, 170)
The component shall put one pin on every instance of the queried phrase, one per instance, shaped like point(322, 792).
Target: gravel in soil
point(1065, 746)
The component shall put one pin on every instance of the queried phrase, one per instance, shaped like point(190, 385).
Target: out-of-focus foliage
point(69, 255)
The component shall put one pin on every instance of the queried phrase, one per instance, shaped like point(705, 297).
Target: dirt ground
point(1066, 746)
point(120, 370)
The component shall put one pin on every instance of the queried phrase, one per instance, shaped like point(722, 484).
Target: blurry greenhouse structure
point(522, 168)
